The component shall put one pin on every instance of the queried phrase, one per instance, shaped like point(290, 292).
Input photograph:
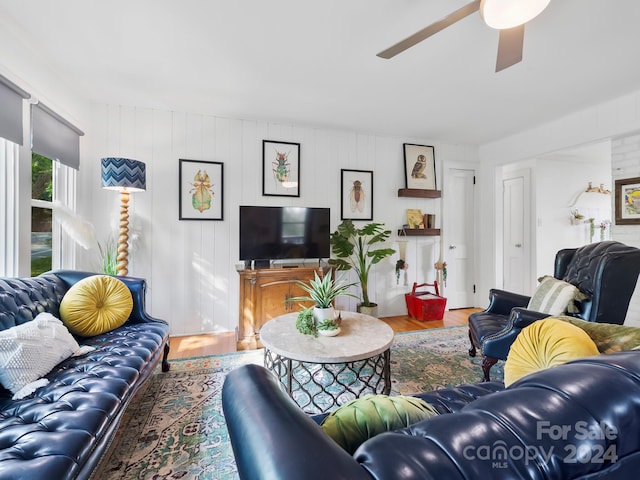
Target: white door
point(458, 238)
point(516, 231)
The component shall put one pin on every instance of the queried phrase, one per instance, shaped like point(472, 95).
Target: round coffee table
point(321, 373)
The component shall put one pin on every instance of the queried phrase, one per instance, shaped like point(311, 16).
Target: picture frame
point(356, 194)
point(280, 169)
point(419, 166)
point(200, 190)
point(627, 201)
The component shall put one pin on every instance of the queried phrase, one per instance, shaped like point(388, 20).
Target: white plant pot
point(329, 333)
point(370, 310)
point(320, 314)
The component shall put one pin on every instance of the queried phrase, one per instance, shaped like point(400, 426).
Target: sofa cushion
point(29, 351)
point(95, 305)
point(554, 296)
point(357, 420)
point(608, 337)
point(544, 344)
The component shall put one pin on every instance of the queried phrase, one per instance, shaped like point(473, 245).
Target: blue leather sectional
point(580, 420)
point(63, 429)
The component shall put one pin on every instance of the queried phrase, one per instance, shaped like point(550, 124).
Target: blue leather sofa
point(576, 421)
point(63, 429)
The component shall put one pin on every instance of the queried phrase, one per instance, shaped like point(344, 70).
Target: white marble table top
point(361, 337)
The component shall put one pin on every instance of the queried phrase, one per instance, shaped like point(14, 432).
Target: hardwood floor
point(211, 344)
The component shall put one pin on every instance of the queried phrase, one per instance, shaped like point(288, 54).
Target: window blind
point(54, 137)
point(11, 97)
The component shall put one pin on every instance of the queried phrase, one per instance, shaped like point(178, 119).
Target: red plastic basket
point(425, 305)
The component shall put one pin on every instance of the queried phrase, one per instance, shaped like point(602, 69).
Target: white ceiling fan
point(508, 16)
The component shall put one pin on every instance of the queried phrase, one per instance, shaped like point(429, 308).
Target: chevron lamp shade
point(123, 174)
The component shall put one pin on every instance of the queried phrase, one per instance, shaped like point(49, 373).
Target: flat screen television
point(272, 233)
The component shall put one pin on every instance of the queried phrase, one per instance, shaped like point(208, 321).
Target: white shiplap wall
point(625, 163)
point(191, 265)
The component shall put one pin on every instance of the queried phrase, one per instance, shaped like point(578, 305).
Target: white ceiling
point(315, 63)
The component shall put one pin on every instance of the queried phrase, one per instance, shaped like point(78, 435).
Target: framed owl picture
point(419, 166)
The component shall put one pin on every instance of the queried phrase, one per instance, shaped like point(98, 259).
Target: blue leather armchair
point(606, 272)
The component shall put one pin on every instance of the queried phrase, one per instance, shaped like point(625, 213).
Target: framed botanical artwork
point(419, 166)
point(200, 190)
point(280, 169)
point(356, 194)
point(627, 198)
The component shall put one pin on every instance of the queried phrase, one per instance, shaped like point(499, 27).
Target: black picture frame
point(200, 190)
point(280, 169)
point(419, 166)
point(356, 194)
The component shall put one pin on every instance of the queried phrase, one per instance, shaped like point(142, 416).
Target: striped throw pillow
point(554, 296)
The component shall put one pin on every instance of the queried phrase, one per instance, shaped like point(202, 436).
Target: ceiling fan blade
point(510, 46)
point(432, 29)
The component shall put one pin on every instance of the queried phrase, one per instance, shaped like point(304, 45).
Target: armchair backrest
point(605, 271)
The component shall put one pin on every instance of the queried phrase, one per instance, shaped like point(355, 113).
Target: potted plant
point(360, 249)
point(323, 292)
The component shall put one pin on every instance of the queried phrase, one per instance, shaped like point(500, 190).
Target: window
point(41, 214)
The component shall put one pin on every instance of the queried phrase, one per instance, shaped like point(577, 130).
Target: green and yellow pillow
point(360, 419)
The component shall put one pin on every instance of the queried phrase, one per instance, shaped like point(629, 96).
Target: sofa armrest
point(501, 302)
point(256, 408)
point(521, 317)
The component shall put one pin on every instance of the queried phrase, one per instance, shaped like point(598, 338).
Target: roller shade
point(11, 97)
point(54, 137)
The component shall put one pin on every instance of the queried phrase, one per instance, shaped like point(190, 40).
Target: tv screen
point(271, 233)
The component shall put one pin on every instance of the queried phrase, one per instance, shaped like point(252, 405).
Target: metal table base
point(321, 387)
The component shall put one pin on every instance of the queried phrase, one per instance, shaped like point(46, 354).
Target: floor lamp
point(126, 176)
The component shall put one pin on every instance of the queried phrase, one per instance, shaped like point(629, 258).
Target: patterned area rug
point(175, 429)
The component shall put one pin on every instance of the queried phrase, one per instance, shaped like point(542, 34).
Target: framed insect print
point(419, 166)
point(280, 169)
point(627, 198)
point(356, 201)
point(200, 190)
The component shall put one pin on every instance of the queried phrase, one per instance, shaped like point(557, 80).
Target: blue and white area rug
point(175, 428)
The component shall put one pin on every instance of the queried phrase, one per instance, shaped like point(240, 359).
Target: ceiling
point(315, 63)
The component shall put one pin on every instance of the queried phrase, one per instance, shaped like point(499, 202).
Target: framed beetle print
point(200, 190)
point(280, 169)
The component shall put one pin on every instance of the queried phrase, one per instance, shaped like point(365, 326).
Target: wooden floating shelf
point(418, 232)
point(418, 192)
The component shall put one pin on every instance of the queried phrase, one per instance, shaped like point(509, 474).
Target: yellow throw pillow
point(544, 344)
point(95, 305)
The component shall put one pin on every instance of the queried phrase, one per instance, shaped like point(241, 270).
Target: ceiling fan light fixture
point(504, 14)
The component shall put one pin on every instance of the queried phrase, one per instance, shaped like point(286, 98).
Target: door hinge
point(474, 288)
point(474, 179)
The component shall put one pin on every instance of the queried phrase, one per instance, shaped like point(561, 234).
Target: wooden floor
point(211, 344)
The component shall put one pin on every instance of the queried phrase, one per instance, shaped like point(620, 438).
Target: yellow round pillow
point(95, 305)
point(544, 344)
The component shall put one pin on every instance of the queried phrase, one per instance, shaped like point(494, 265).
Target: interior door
point(516, 230)
point(458, 229)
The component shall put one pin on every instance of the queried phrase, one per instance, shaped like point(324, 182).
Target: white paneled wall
point(191, 265)
point(625, 163)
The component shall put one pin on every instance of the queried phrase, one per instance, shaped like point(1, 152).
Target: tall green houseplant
point(360, 249)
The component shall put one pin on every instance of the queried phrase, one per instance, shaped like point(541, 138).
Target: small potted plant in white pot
point(323, 292)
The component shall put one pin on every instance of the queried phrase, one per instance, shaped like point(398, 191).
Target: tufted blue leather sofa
point(62, 430)
point(576, 421)
point(606, 272)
